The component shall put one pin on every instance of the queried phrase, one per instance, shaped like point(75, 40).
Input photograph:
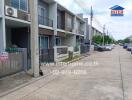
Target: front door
point(44, 43)
point(44, 48)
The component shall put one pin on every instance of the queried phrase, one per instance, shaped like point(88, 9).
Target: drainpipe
point(34, 37)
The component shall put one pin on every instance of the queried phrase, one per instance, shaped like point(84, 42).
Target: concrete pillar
point(53, 16)
point(74, 24)
point(2, 27)
point(34, 37)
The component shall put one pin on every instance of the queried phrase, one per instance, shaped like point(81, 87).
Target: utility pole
point(107, 36)
point(103, 35)
point(90, 29)
point(34, 38)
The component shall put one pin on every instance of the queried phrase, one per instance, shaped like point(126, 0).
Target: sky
point(118, 27)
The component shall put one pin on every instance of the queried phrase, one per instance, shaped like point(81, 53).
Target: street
point(108, 77)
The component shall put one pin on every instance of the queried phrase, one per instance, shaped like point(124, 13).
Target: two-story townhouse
point(96, 32)
point(47, 25)
point(15, 34)
point(80, 29)
point(59, 30)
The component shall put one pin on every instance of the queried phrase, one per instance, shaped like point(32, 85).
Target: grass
point(71, 59)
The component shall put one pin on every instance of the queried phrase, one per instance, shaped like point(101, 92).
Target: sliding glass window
point(20, 4)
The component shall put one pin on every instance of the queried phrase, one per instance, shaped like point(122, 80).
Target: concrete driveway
point(101, 76)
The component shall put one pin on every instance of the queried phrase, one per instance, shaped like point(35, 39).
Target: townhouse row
point(46, 29)
point(58, 30)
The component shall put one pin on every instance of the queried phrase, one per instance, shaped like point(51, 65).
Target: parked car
point(125, 45)
point(108, 47)
point(129, 47)
point(113, 46)
point(98, 47)
point(121, 44)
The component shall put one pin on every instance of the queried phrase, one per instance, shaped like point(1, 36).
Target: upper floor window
point(20, 4)
point(69, 21)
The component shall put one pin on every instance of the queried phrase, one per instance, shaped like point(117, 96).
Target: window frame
point(19, 8)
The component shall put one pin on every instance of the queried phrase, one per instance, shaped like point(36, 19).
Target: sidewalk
point(12, 83)
point(109, 80)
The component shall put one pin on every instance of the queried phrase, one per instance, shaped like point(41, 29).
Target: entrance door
point(44, 42)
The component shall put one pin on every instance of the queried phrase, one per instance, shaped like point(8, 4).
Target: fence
point(84, 48)
point(60, 52)
point(16, 62)
point(46, 55)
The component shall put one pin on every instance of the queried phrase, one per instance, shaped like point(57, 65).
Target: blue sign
point(117, 10)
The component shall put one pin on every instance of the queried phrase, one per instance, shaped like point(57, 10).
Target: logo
point(117, 10)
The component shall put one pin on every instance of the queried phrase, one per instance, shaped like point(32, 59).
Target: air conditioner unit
point(10, 11)
point(29, 17)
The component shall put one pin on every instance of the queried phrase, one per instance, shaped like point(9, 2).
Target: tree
point(126, 40)
point(99, 39)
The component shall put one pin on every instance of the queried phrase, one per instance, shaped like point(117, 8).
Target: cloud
point(119, 27)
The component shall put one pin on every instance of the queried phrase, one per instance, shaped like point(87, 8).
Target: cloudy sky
point(118, 27)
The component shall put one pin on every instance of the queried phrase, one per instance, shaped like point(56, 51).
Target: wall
point(69, 40)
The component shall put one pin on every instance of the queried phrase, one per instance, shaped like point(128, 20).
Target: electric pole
point(90, 29)
point(107, 37)
point(34, 38)
point(103, 35)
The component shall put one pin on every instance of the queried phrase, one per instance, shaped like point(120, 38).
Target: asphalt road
point(101, 76)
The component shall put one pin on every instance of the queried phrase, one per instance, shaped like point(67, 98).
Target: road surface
point(101, 76)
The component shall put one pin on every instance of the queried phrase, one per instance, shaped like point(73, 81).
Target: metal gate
point(46, 55)
point(16, 62)
point(84, 48)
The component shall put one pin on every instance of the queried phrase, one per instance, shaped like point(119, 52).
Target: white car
point(108, 47)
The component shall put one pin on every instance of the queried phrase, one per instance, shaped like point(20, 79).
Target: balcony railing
point(60, 25)
point(81, 32)
point(45, 21)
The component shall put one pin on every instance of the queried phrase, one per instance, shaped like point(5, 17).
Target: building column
point(34, 37)
point(2, 27)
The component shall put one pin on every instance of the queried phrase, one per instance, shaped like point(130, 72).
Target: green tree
point(126, 40)
point(97, 39)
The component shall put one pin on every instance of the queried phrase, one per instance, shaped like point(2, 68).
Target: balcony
point(45, 21)
point(80, 31)
point(60, 25)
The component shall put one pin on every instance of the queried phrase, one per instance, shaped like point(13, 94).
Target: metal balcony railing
point(81, 32)
point(60, 25)
point(45, 21)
